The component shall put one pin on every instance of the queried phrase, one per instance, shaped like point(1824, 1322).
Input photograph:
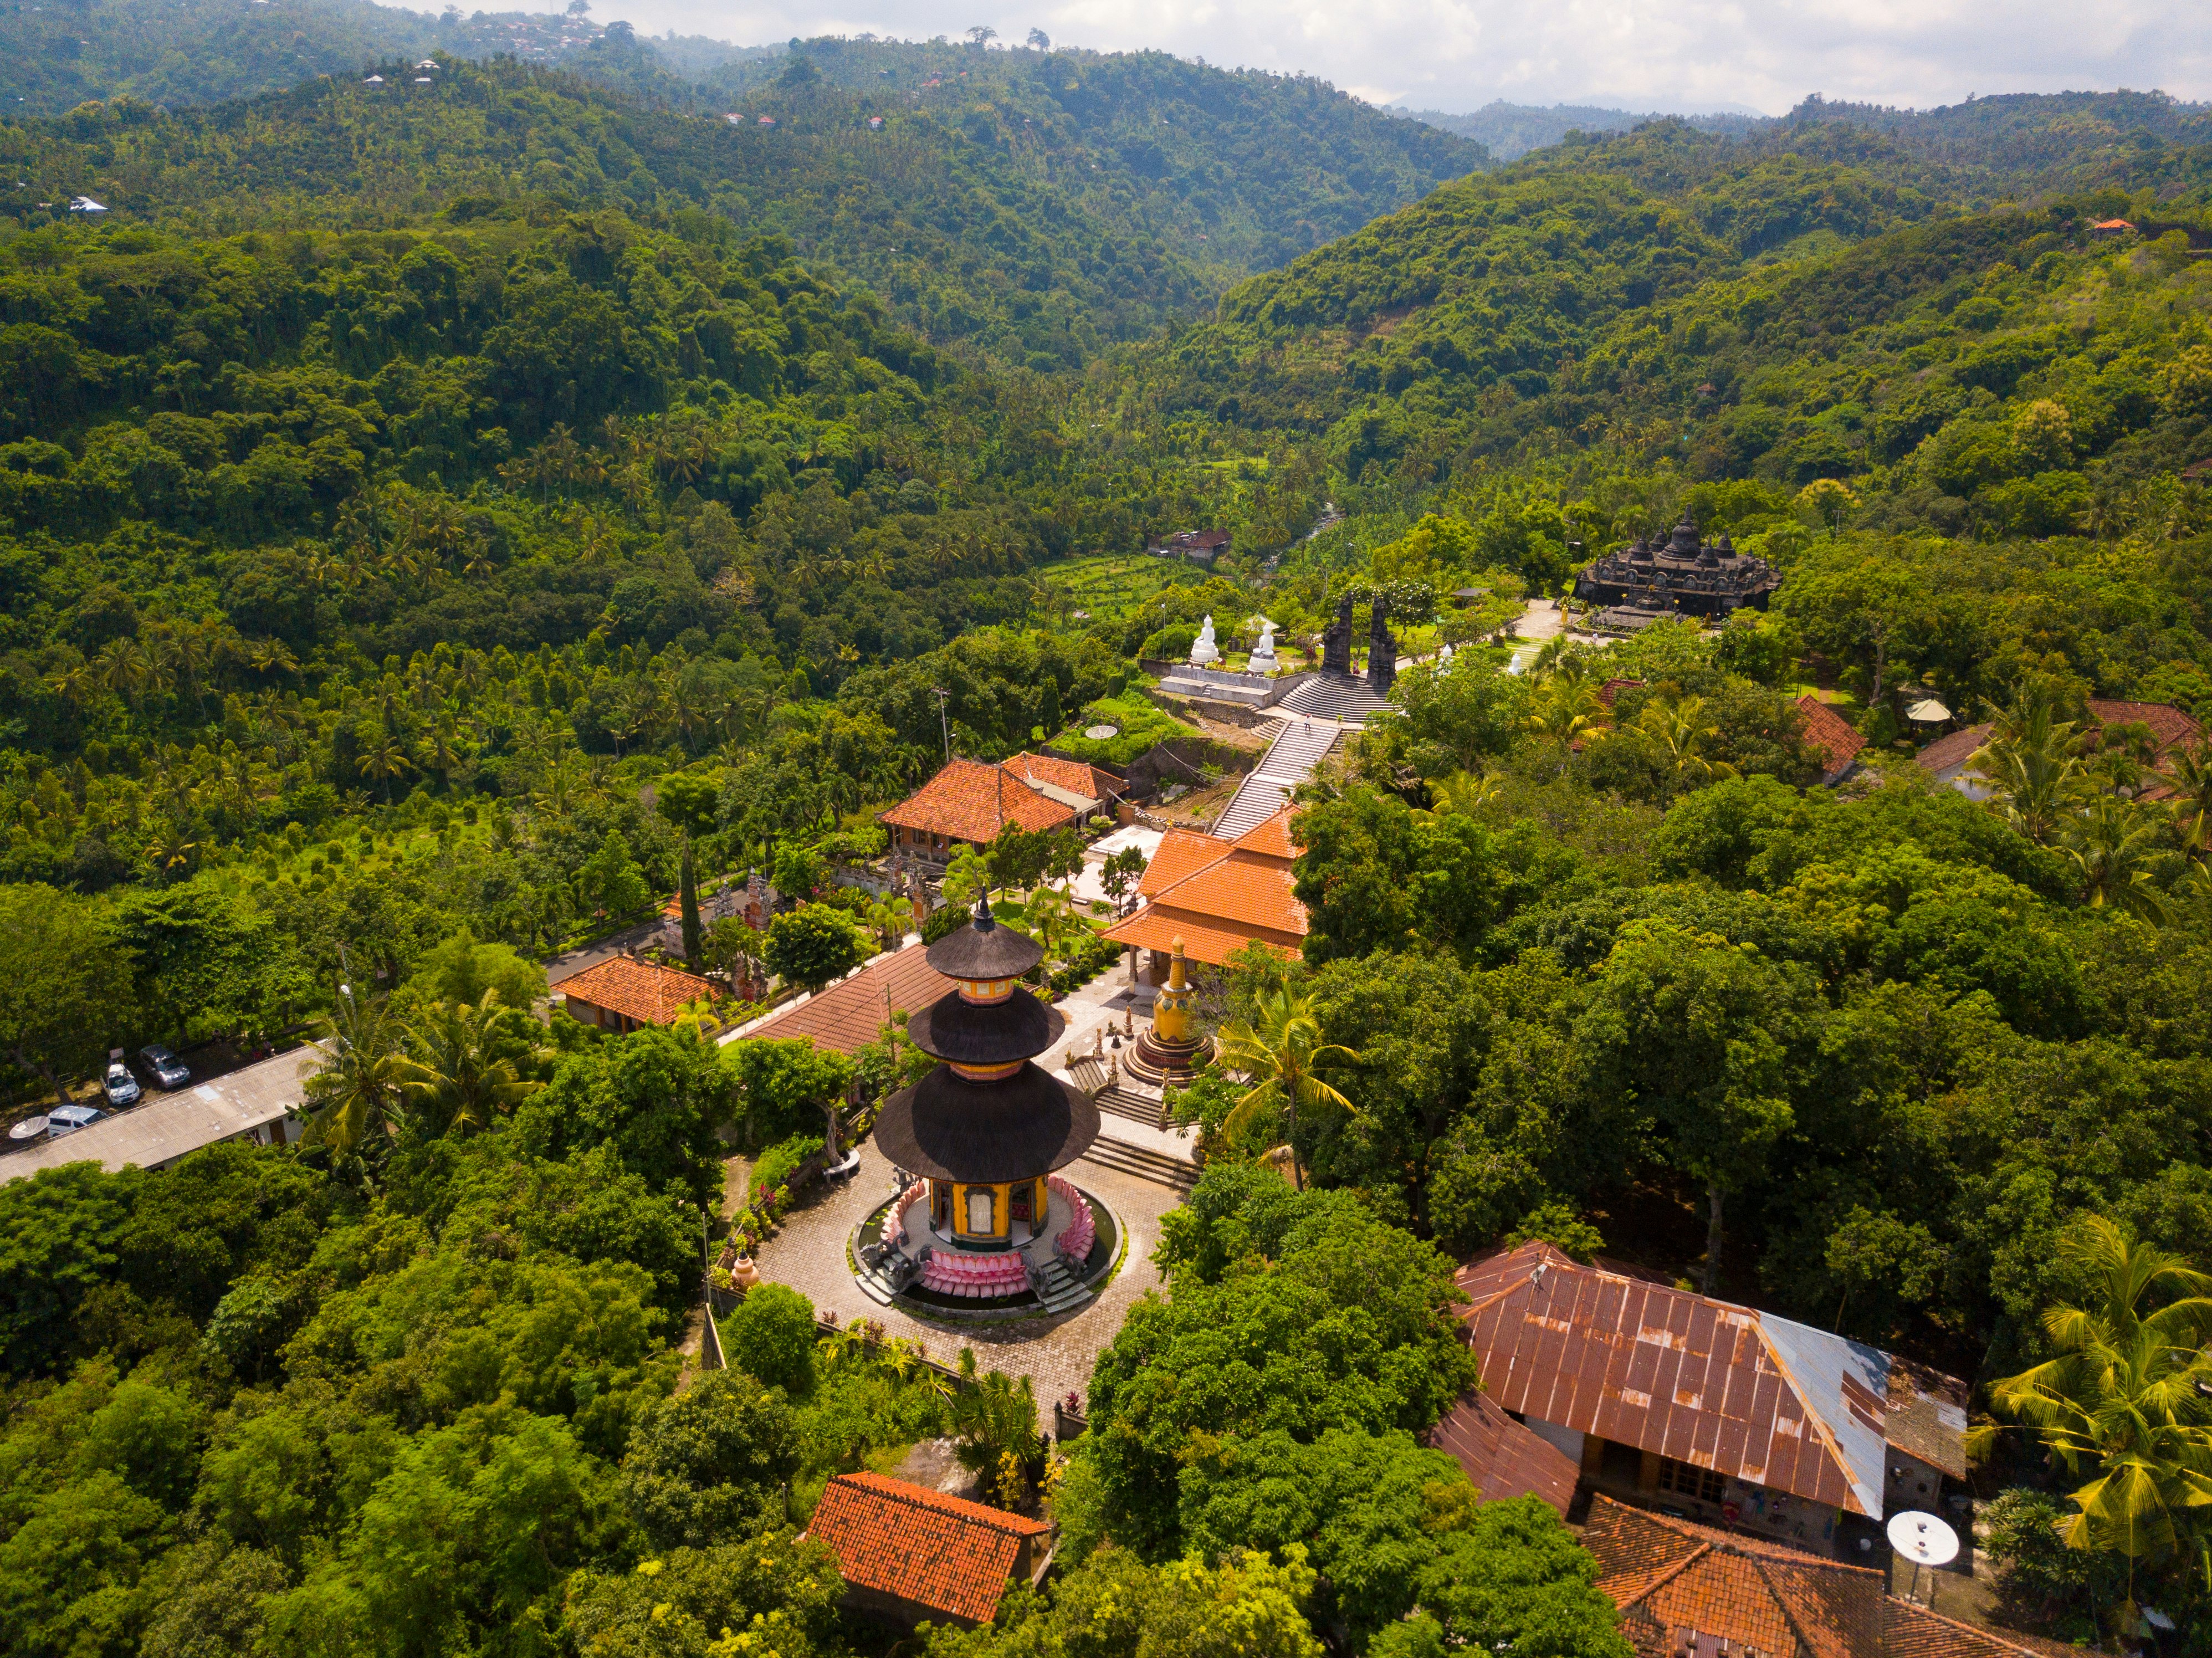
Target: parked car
point(68, 1119)
point(121, 1087)
point(168, 1070)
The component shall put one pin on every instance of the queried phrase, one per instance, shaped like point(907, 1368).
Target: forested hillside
point(440, 519)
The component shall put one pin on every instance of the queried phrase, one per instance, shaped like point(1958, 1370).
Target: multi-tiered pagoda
point(983, 1133)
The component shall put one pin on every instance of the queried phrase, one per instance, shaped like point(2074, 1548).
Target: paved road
point(570, 963)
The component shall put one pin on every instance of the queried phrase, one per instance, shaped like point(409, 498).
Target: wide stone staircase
point(1289, 761)
point(1154, 1166)
point(1331, 696)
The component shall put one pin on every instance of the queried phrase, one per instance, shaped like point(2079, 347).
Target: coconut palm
point(1566, 706)
point(2113, 845)
point(1464, 792)
point(2189, 775)
point(462, 1060)
point(2029, 764)
point(357, 1095)
point(995, 1428)
point(2129, 1399)
point(1680, 731)
point(1279, 1051)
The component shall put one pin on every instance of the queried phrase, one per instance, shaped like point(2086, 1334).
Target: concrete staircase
point(1289, 761)
point(1157, 1167)
point(1331, 696)
point(1120, 1102)
point(1059, 1289)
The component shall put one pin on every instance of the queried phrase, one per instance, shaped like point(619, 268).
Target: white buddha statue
point(1205, 652)
point(1262, 660)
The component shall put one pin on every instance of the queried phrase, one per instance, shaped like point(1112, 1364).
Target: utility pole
point(943, 696)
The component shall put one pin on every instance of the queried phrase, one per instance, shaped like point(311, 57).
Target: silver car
point(68, 1119)
point(169, 1073)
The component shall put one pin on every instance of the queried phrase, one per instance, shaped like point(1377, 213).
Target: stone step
point(1146, 1164)
point(1137, 1108)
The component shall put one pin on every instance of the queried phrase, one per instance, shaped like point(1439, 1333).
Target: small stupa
point(1168, 1054)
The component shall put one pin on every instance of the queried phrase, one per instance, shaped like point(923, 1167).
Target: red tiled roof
point(921, 1546)
point(1954, 749)
point(968, 800)
point(1271, 836)
point(1612, 689)
point(1767, 1400)
point(1673, 1580)
point(848, 1015)
point(1071, 774)
point(1502, 1458)
point(2172, 726)
point(2111, 224)
point(1829, 734)
point(637, 990)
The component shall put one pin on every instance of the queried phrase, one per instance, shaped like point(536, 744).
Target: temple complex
point(982, 1214)
point(1682, 575)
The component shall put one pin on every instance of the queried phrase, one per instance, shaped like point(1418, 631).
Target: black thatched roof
point(949, 1128)
point(984, 950)
point(993, 1032)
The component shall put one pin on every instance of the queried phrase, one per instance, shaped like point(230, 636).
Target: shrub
point(771, 1336)
point(778, 1163)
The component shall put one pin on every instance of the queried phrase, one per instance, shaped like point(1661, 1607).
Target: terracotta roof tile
point(1271, 836)
point(1954, 749)
point(1181, 852)
point(1828, 733)
point(968, 800)
point(921, 1546)
point(1074, 774)
point(846, 1016)
point(637, 990)
point(2172, 726)
point(1502, 1458)
point(1204, 939)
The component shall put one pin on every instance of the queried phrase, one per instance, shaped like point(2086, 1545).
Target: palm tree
point(995, 1428)
point(2027, 762)
point(2113, 844)
point(1464, 792)
point(463, 1060)
point(358, 1091)
point(1565, 708)
point(2189, 775)
point(2128, 1397)
point(385, 758)
point(1279, 1052)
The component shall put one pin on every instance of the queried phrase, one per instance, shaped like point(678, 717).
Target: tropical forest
point(478, 494)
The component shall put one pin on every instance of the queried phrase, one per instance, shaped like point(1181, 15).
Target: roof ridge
point(1700, 1549)
point(1813, 1413)
point(895, 1490)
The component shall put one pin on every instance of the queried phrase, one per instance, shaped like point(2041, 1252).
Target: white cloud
point(1640, 54)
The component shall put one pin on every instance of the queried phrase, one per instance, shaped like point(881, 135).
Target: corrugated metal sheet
point(1702, 1382)
point(1502, 1458)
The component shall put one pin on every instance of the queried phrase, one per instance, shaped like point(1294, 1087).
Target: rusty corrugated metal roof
point(1690, 1378)
point(1502, 1458)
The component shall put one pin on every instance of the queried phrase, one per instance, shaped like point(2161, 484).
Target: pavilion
point(1217, 895)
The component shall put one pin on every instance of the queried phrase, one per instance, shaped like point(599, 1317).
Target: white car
point(68, 1119)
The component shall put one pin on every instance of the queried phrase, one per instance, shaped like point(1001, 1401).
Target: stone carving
point(1381, 649)
point(1336, 641)
point(1262, 660)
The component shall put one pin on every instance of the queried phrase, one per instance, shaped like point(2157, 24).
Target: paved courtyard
point(808, 1253)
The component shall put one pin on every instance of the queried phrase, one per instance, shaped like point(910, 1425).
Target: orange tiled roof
point(921, 1546)
point(1182, 852)
point(1219, 904)
point(1672, 1578)
point(1071, 774)
point(968, 800)
point(848, 1015)
point(637, 990)
point(1953, 748)
point(1829, 734)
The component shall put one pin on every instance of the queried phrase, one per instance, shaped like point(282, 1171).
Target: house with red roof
point(1217, 895)
point(967, 803)
point(1948, 760)
point(908, 1553)
point(1831, 737)
point(1684, 1588)
point(623, 994)
point(1727, 1414)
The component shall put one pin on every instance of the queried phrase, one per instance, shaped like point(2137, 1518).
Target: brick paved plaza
point(808, 1253)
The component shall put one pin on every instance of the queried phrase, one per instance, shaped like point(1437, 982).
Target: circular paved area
point(808, 1255)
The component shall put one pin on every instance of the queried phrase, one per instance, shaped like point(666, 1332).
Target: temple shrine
point(982, 1213)
point(1168, 1054)
point(1683, 575)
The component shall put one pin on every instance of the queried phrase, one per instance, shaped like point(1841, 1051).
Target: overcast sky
point(1637, 54)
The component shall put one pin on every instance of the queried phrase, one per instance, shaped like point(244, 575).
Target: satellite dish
point(29, 1129)
point(1923, 1539)
point(1100, 733)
